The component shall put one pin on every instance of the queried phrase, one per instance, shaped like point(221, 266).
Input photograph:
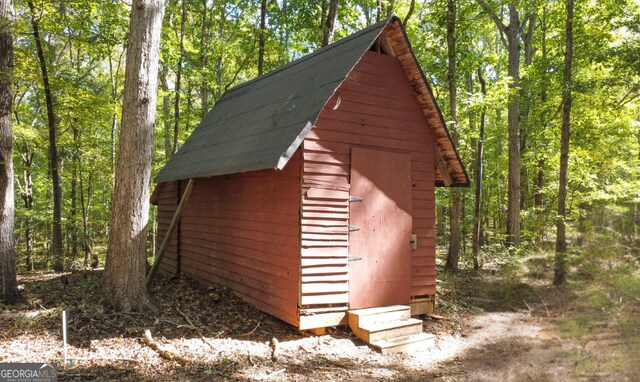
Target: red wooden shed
point(314, 184)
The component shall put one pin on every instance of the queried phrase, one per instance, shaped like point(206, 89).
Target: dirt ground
point(491, 329)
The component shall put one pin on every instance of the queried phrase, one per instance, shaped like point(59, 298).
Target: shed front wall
point(241, 231)
point(375, 107)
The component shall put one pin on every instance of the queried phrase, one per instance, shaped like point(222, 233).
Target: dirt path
point(474, 345)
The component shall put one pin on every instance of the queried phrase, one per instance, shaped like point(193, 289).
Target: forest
point(541, 97)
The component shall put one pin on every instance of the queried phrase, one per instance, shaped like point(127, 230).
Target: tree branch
point(493, 15)
point(412, 8)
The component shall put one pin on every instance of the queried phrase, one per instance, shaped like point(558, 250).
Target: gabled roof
point(261, 123)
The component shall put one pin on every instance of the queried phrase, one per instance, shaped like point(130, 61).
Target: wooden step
point(388, 330)
point(368, 316)
point(406, 344)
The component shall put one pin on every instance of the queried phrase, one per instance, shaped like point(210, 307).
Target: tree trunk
point(26, 192)
point(513, 195)
point(54, 165)
point(86, 207)
point(478, 173)
point(204, 61)
point(261, 41)
point(176, 105)
point(74, 193)
point(166, 111)
point(538, 199)
point(525, 100)
point(561, 240)
point(114, 74)
point(330, 23)
point(512, 43)
point(8, 281)
point(390, 7)
point(454, 218)
point(412, 7)
point(123, 285)
point(27, 197)
point(219, 68)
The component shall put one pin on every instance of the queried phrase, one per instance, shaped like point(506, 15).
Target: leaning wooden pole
point(171, 230)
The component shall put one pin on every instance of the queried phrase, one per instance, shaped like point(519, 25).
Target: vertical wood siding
point(167, 203)
point(375, 107)
point(242, 231)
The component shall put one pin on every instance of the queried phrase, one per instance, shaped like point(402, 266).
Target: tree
point(54, 161)
point(561, 239)
point(176, 106)
point(513, 33)
point(123, 284)
point(478, 173)
point(329, 26)
point(454, 213)
point(262, 36)
point(8, 281)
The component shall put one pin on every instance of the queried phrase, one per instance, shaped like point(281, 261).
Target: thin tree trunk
point(412, 7)
point(123, 283)
point(26, 192)
point(74, 193)
point(166, 112)
point(538, 199)
point(453, 254)
point(114, 116)
point(512, 43)
point(513, 196)
point(561, 240)
point(262, 37)
point(8, 281)
point(525, 100)
point(204, 61)
point(390, 7)
point(54, 165)
point(219, 68)
point(86, 207)
point(329, 27)
point(478, 173)
point(27, 197)
point(176, 105)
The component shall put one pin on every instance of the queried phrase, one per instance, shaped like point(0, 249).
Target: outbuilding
point(314, 184)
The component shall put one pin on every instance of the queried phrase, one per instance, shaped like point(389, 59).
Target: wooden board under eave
point(167, 201)
point(375, 107)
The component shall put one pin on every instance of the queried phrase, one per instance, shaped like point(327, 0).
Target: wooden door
point(383, 242)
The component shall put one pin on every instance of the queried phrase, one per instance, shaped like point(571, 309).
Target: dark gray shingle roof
point(260, 124)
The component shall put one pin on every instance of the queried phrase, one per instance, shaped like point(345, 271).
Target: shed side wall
point(375, 107)
point(241, 231)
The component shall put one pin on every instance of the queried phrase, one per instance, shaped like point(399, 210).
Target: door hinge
point(354, 258)
point(353, 198)
point(353, 228)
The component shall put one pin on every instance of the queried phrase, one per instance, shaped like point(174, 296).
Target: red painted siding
point(242, 231)
point(375, 107)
